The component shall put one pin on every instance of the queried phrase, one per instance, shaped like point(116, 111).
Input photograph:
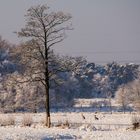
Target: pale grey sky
point(104, 30)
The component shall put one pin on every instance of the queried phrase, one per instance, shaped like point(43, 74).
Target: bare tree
point(109, 97)
point(129, 94)
point(134, 93)
point(122, 96)
point(43, 30)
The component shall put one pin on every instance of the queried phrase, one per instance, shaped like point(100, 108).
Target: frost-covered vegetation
point(78, 79)
point(72, 125)
point(86, 100)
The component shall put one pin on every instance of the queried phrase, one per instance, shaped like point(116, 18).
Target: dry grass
point(43, 121)
point(136, 122)
point(7, 120)
point(63, 125)
point(27, 120)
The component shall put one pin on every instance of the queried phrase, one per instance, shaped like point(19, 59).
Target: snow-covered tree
point(129, 94)
point(122, 97)
point(134, 93)
point(43, 30)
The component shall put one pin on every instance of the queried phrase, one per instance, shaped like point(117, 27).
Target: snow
point(109, 127)
point(56, 133)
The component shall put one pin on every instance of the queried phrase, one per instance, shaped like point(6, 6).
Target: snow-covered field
point(116, 126)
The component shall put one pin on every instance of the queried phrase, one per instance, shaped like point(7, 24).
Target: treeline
point(77, 78)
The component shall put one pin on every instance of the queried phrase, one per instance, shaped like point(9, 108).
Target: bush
point(43, 121)
point(6, 121)
point(136, 122)
point(27, 120)
point(63, 125)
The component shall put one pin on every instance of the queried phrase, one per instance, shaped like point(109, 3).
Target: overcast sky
point(104, 30)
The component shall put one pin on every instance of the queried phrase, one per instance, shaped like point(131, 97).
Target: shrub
point(66, 123)
point(63, 125)
point(136, 122)
point(27, 120)
point(8, 120)
point(43, 121)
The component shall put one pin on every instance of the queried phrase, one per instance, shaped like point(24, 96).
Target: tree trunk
point(123, 108)
point(48, 120)
point(110, 105)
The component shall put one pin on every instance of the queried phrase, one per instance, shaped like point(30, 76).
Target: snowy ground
point(107, 127)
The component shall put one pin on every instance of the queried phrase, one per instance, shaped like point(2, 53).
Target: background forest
point(78, 79)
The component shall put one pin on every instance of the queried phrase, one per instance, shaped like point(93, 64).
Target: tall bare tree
point(42, 31)
point(122, 97)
